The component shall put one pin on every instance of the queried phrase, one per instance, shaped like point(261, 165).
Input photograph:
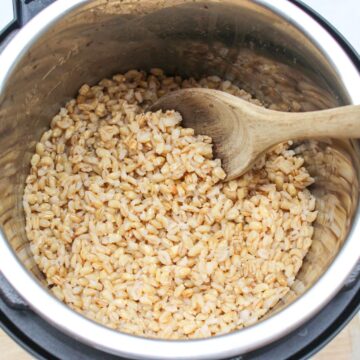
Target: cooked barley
point(129, 221)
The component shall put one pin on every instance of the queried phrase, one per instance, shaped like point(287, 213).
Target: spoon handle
point(341, 122)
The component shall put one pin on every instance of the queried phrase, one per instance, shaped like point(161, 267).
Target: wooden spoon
point(242, 131)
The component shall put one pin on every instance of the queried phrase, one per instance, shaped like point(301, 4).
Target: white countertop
point(343, 14)
point(6, 13)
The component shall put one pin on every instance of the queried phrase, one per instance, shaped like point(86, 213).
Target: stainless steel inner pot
point(270, 48)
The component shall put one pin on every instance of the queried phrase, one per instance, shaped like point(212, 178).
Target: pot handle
point(10, 296)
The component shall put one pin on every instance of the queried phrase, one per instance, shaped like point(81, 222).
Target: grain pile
point(129, 221)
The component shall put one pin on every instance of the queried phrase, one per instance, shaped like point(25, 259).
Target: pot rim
point(235, 343)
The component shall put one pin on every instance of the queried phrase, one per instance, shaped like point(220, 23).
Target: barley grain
point(129, 221)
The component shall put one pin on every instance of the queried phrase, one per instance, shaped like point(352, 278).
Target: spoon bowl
point(242, 131)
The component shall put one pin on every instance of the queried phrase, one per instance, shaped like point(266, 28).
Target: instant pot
point(280, 51)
